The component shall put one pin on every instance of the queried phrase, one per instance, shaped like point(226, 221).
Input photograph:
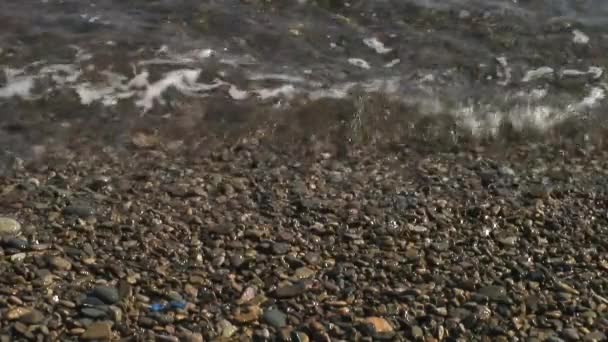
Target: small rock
point(299, 336)
point(493, 292)
point(290, 291)
point(98, 331)
point(566, 288)
point(571, 334)
point(78, 210)
point(9, 226)
point(417, 333)
point(32, 317)
point(595, 336)
point(107, 294)
point(93, 313)
point(226, 328)
point(252, 314)
point(16, 243)
point(303, 273)
point(18, 257)
point(60, 263)
point(280, 248)
point(247, 295)
point(275, 318)
point(379, 325)
point(508, 240)
point(418, 229)
point(16, 313)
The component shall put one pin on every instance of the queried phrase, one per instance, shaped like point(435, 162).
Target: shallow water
point(532, 64)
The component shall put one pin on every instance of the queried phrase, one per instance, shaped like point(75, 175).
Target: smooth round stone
point(275, 318)
point(78, 210)
point(106, 293)
point(280, 248)
point(16, 243)
point(9, 226)
point(32, 317)
point(93, 312)
point(493, 292)
point(92, 301)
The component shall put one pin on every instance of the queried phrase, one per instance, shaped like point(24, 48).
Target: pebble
point(32, 317)
point(290, 291)
point(82, 211)
point(299, 336)
point(60, 263)
point(16, 243)
point(250, 315)
point(280, 248)
point(9, 226)
point(226, 328)
point(98, 331)
point(571, 334)
point(379, 325)
point(16, 313)
point(275, 318)
point(417, 332)
point(93, 313)
point(17, 257)
point(303, 273)
point(106, 293)
point(493, 292)
point(595, 336)
point(566, 288)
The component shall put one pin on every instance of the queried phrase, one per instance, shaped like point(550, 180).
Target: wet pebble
point(101, 331)
point(60, 263)
point(107, 294)
point(79, 210)
point(9, 226)
point(275, 318)
point(493, 292)
point(280, 248)
point(16, 243)
point(290, 291)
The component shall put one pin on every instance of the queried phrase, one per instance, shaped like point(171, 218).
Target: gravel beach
point(257, 238)
point(303, 170)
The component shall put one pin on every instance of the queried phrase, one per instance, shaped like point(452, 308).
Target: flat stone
point(93, 313)
point(379, 325)
point(9, 226)
point(280, 248)
point(303, 273)
point(275, 318)
point(595, 336)
point(299, 336)
point(32, 317)
point(571, 334)
point(79, 210)
point(16, 243)
point(226, 328)
point(98, 331)
point(60, 263)
point(290, 291)
point(252, 314)
point(107, 294)
point(17, 313)
point(493, 292)
point(417, 332)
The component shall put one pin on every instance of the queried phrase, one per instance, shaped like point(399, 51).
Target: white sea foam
point(424, 90)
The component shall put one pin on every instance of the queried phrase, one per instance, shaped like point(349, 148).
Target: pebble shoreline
point(249, 243)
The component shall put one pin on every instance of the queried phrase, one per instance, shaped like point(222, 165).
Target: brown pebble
point(60, 263)
point(379, 325)
point(252, 314)
point(98, 331)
